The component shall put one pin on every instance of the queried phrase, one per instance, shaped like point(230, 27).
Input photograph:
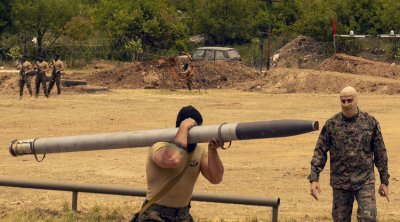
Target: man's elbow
point(216, 180)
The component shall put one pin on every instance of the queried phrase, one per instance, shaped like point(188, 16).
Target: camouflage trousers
point(159, 213)
point(343, 204)
point(41, 79)
point(22, 82)
point(55, 78)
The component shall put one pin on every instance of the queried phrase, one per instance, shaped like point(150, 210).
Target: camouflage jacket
point(355, 144)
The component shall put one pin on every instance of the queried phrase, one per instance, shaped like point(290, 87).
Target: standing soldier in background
point(25, 69)
point(43, 68)
point(58, 67)
point(355, 144)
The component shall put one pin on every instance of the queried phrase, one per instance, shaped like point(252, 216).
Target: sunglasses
point(346, 100)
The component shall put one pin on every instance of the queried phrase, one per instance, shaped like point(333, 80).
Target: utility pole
point(269, 7)
point(262, 50)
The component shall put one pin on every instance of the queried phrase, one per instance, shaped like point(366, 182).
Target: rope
point(220, 139)
point(32, 146)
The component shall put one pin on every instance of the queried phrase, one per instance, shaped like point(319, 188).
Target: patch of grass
point(95, 214)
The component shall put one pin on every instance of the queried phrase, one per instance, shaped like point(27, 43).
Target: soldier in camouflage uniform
point(42, 68)
point(58, 68)
point(354, 140)
point(25, 70)
point(166, 160)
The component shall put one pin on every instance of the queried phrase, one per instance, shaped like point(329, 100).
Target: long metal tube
point(198, 134)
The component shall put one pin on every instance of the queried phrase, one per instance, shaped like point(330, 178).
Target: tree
point(134, 48)
point(390, 16)
point(157, 24)
point(42, 18)
point(78, 28)
point(5, 18)
point(227, 21)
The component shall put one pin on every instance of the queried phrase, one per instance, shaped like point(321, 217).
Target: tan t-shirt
point(157, 177)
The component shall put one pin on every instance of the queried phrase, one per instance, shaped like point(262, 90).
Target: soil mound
point(302, 52)
point(356, 65)
point(283, 80)
point(162, 74)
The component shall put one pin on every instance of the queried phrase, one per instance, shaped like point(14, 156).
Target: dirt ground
point(147, 95)
point(268, 168)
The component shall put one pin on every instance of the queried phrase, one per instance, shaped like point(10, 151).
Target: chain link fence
point(78, 54)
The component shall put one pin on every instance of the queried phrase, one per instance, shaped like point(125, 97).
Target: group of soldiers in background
point(26, 71)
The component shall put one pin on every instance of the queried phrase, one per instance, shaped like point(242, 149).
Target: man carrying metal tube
point(167, 160)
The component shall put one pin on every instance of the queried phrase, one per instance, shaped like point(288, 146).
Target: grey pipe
point(198, 134)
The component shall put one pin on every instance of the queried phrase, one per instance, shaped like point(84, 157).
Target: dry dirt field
point(269, 168)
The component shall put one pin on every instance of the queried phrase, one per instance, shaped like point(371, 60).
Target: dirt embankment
point(328, 76)
point(282, 80)
point(302, 52)
point(164, 74)
point(356, 65)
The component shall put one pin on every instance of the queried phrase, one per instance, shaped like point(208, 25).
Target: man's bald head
point(349, 101)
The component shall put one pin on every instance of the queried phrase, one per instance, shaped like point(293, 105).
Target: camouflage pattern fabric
point(55, 78)
point(41, 79)
point(355, 144)
point(24, 79)
point(343, 204)
point(159, 213)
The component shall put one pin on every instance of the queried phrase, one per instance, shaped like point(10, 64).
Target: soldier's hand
point(384, 191)
point(315, 189)
point(214, 144)
point(188, 123)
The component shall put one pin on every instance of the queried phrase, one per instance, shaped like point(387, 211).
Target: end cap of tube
point(11, 148)
point(315, 125)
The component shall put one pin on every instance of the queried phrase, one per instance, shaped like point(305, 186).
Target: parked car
point(216, 53)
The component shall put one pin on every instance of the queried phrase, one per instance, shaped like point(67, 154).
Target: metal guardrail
point(128, 191)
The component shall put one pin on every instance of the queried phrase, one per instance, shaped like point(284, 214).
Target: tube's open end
point(11, 148)
point(315, 125)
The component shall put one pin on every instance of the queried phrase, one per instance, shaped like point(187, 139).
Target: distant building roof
point(197, 39)
point(215, 48)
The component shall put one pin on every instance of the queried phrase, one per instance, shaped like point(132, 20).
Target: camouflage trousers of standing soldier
point(55, 78)
point(22, 82)
point(159, 213)
point(343, 204)
point(40, 79)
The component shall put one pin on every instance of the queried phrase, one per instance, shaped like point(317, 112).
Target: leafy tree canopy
point(41, 17)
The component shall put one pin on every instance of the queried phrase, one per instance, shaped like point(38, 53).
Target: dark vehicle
point(216, 53)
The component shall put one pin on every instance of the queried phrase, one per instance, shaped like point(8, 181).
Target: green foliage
point(5, 16)
point(390, 16)
point(285, 14)
point(14, 53)
point(40, 17)
point(134, 47)
point(227, 21)
point(164, 26)
point(316, 19)
point(78, 28)
point(157, 24)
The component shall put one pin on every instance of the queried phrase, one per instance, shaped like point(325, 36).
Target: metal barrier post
point(74, 200)
point(128, 191)
point(274, 214)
